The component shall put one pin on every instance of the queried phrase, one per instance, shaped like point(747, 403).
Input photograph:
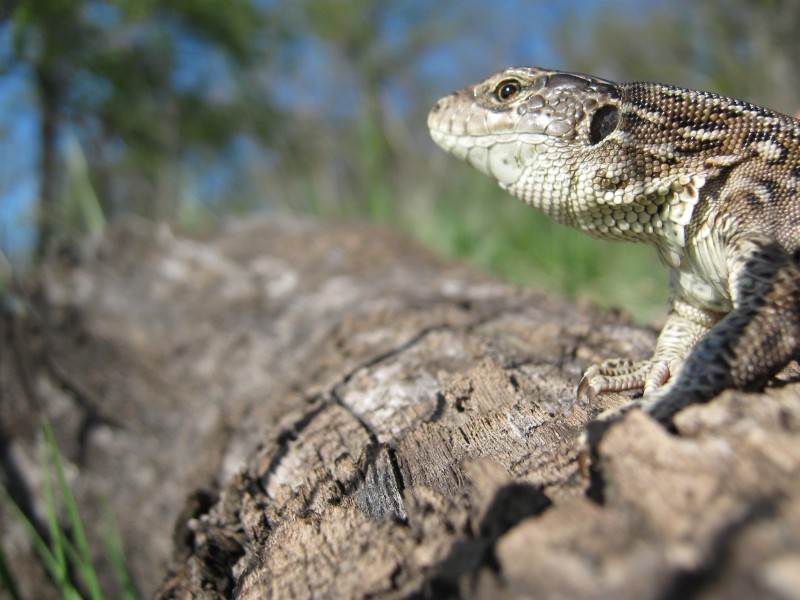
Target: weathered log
point(296, 409)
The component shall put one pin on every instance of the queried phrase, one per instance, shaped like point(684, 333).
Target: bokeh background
point(194, 111)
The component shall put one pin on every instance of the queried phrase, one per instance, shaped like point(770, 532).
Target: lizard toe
point(614, 375)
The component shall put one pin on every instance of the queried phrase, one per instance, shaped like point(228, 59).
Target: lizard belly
point(701, 276)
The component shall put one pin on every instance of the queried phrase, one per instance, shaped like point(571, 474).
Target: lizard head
point(554, 140)
point(614, 160)
point(506, 122)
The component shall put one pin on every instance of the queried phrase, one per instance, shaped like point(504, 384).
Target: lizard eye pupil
point(604, 122)
point(507, 89)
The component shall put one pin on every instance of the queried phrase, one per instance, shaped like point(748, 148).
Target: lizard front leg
point(743, 350)
point(753, 342)
point(685, 325)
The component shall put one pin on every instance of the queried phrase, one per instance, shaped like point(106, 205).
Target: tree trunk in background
point(289, 409)
point(49, 168)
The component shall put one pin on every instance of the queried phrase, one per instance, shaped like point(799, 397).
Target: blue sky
point(18, 154)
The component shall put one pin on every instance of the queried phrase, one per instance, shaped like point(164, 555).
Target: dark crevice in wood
point(426, 331)
point(363, 423)
point(395, 351)
point(86, 400)
point(596, 491)
point(18, 321)
point(438, 411)
point(284, 438)
point(91, 414)
point(511, 504)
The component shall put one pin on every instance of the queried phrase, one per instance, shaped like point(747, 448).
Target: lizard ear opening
point(604, 122)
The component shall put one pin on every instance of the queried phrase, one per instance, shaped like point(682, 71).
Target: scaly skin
point(709, 181)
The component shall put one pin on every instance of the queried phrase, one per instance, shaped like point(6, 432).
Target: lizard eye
point(507, 89)
point(604, 122)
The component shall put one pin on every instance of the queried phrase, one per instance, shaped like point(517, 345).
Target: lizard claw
point(613, 375)
point(585, 388)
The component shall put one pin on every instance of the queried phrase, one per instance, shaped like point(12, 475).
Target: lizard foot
point(617, 375)
point(620, 374)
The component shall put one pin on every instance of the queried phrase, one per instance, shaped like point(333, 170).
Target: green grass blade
point(113, 541)
point(81, 557)
point(6, 579)
point(53, 562)
point(42, 549)
point(60, 570)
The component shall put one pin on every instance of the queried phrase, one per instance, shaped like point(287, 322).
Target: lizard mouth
point(446, 138)
point(503, 156)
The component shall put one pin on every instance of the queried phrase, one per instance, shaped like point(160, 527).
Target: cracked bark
point(292, 409)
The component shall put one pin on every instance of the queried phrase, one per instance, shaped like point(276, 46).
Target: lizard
point(710, 181)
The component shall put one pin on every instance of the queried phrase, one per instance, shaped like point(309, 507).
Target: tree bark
point(295, 410)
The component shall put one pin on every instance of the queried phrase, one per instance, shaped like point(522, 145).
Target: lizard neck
point(657, 215)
